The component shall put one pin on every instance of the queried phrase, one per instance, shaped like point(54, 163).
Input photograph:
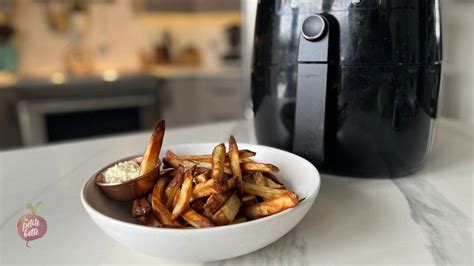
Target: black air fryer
point(351, 85)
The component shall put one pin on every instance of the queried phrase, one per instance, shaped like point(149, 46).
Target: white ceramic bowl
point(208, 244)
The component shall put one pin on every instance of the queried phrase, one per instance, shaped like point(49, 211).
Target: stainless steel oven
point(73, 111)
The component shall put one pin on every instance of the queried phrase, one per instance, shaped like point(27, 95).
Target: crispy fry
point(175, 162)
point(152, 152)
point(212, 187)
point(140, 207)
point(198, 205)
point(235, 165)
point(195, 219)
point(243, 154)
point(260, 167)
point(214, 202)
point(173, 187)
point(271, 184)
point(184, 194)
point(169, 172)
point(270, 207)
point(264, 192)
point(159, 209)
point(248, 200)
point(218, 159)
point(228, 211)
point(273, 178)
point(201, 178)
point(259, 179)
point(199, 170)
point(149, 219)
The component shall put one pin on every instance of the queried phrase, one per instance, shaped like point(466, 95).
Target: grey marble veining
point(448, 230)
point(291, 249)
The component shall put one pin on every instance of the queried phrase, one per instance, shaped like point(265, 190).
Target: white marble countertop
point(422, 219)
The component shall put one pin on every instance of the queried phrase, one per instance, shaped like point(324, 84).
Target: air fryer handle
point(311, 96)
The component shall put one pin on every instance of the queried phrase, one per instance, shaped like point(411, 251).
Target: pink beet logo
point(31, 226)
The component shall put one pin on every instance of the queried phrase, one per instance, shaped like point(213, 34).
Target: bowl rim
point(307, 200)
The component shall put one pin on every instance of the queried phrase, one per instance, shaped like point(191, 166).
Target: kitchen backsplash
point(116, 35)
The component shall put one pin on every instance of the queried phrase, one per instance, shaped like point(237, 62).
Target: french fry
point(195, 219)
point(211, 186)
point(248, 200)
point(159, 209)
point(152, 151)
point(243, 154)
point(218, 159)
point(202, 177)
point(270, 207)
point(175, 162)
point(235, 164)
point(140, 207)
point(273, 178)
point(228, 211)
point(173, 187)
point(198, 205)
point(272, 184)
point(184, 194)
point(264, 192)
point(149, 219)
point(259, 179)
point(169, 172)
point(260, 167)
point(248, 178)
point(214, 202)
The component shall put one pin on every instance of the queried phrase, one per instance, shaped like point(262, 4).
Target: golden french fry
point(152, 152)
point(184, 194)
point(248, 200)
point(211, 186)
point(175, 162)
point(202, 177)
point(272, 184)
point(140, 207)
point(218, 159)
point(195, 219)
point(264, 192)
point(270, 207)
point(235, 164)
point(149, 219)
point(173, 187)
point(260, 167)
point(259, 179)
point(239, 219)
point(273, 178)
point(243, 155)
point(214, 202)
point(159, 209)
point(228, 211)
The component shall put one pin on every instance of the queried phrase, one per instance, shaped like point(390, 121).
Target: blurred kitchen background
point(86, 68)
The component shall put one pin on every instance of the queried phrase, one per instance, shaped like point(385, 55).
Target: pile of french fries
point(209, 190)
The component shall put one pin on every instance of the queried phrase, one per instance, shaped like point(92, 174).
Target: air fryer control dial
point(313, 28)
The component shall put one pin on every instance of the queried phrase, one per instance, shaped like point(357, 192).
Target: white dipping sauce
point(122, 172)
